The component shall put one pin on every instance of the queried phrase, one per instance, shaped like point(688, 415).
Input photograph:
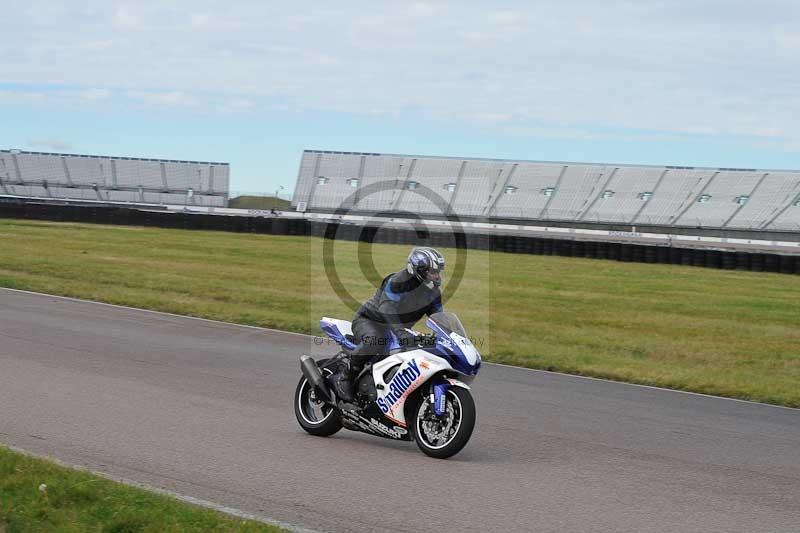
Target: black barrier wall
point(758, 262)
point(731, 233)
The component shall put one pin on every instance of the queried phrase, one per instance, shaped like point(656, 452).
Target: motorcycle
point(418, 392)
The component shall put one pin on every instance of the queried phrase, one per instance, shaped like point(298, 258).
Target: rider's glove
point(406, 337)
point(426, 340)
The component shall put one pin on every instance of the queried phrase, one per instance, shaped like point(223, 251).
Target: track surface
point(205, 409)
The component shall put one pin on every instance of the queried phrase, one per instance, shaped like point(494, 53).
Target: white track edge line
point(676, 391)
point(156, 312)
point(653, 387)
point(237, 513)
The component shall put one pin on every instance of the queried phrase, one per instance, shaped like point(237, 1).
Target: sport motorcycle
point(417, 392)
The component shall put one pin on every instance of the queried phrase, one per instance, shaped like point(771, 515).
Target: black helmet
point(422, 261)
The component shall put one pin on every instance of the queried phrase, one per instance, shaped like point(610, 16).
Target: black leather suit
point(398, 303)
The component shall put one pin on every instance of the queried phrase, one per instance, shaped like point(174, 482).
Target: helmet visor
point(435, 276)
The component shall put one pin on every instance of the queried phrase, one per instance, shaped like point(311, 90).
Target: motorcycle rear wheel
point(312, 413)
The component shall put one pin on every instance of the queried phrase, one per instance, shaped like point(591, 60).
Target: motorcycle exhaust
point(314, 376)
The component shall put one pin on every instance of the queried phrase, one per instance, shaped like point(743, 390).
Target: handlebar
point(426, 340)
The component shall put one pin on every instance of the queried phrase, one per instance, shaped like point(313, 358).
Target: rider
point(402, 299)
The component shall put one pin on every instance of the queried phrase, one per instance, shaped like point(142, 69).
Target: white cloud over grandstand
point(94, 95)
point(163, 98)
point(624, 68)
point(50, 144)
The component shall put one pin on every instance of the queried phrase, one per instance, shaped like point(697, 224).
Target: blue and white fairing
point(338, 330)
point(452, 343)
point(399, 374)
point(435, 365)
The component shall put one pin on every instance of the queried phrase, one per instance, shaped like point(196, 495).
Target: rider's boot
point(342, 381)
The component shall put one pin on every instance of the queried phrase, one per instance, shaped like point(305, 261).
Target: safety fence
point(640, 253)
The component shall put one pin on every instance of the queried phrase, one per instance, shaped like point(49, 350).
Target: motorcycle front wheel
point(445, 436)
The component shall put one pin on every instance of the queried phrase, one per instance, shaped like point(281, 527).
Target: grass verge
point(258, 202)
point(730, 333)
point(38, 495)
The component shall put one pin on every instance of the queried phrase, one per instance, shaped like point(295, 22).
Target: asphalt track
point(204, 409)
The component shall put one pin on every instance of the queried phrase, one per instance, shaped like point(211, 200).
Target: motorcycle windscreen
point(468, 360)
point(449, 322)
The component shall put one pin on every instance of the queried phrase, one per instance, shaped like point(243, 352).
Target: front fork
point(439, 389)
point(438, 393)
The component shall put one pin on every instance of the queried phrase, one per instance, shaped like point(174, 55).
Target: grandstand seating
point(629, 187)
point(82, 171)
point(531, 181)
point(724, 196)
point(772, 205)
point(674, 193)
point(113, 179)
point(557, 191)
point(434, 174)
point(377, 173)
point(334, 184)
point(473, 189)
point(578, 184)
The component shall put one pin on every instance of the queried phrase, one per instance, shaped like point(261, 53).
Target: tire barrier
point(639, 253)
point(698, 258)
point(757, 263)
point(742, 261)
point(789, 264)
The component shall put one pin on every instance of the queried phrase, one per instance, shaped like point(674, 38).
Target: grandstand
point(107, 179)
point(540, 191)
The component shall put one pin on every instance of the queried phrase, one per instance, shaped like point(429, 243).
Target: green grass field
point(75, 501)
point(258, 202)
point(731, 333)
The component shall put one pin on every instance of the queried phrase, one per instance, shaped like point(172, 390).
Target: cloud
point(51, 144)
point(566, 66)
point(23, 97)
point(94, 94)
point(164, 98)
point(201, 20)
point(237, 104)
point(125, 18)
point(56, 98)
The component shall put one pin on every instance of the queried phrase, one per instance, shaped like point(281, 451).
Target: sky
point(713, 83)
